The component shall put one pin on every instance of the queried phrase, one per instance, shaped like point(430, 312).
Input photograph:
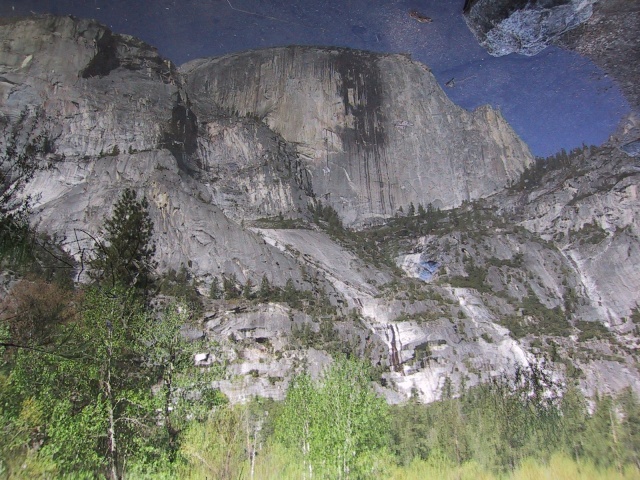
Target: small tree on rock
point(126, 255)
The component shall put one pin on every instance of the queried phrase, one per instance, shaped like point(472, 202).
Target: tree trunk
point(111, 433)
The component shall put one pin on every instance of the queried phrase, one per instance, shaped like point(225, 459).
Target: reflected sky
point(554, 100)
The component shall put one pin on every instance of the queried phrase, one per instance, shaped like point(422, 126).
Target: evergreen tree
point(126, 255)
point(247, 289)
point(230, 287)
point(215, 291)
point(265, 289)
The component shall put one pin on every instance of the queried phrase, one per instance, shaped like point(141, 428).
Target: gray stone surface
point(265, 133)
point(524, 27)
point(374, 131)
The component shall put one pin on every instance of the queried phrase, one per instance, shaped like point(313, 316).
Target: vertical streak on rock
point(360, 88)
point(395, 357)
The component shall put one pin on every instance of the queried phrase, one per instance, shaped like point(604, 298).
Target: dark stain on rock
point(106, 59)
point(181, 136)
point(121, 51)
point(361, 89)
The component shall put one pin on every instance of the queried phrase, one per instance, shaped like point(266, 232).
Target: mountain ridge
point(229, 169)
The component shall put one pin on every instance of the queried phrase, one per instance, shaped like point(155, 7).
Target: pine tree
point(265, 289)
point(230, 287)
point(247, 289)
point(125, 257)
point(215, 292)
point(421, 211)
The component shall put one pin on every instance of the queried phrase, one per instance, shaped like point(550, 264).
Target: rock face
point(606, 31)
point(523, 26)
point(592, 217)
point(115, 116)
point(611, 38)
point(375, 132)
point(230, 152)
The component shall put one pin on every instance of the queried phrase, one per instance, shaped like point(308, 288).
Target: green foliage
point(93, 390)
point(476, 278)
point(313, 302)
point(85, 387)
point(170, 357)
point(590, 233)
point(334, 423)
point(230, 287)
point(327, 338)
point(215, 448)
point(496, 424)
point(280, 222)
point(125, 257)
point(508, 423)
point(265, 289)
point(537, 319)
point(533, 175)
point(326, 216)
point(247, 290)
point(215, 291)
point(181, 285)
point(548, 321)
point(592, 330)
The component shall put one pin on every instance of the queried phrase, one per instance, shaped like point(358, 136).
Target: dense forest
point(97, 380)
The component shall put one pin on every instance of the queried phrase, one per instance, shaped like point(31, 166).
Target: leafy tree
point(126, 255)
point(93, 393)
point(169, 356)
point(298, 421)
point(335, 423)
point(216, 447)
point(119, 396)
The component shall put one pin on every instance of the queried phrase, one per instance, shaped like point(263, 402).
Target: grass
point(275, 463)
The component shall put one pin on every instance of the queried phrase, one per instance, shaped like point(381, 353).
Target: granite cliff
point(434, 246)
point(375, 132)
